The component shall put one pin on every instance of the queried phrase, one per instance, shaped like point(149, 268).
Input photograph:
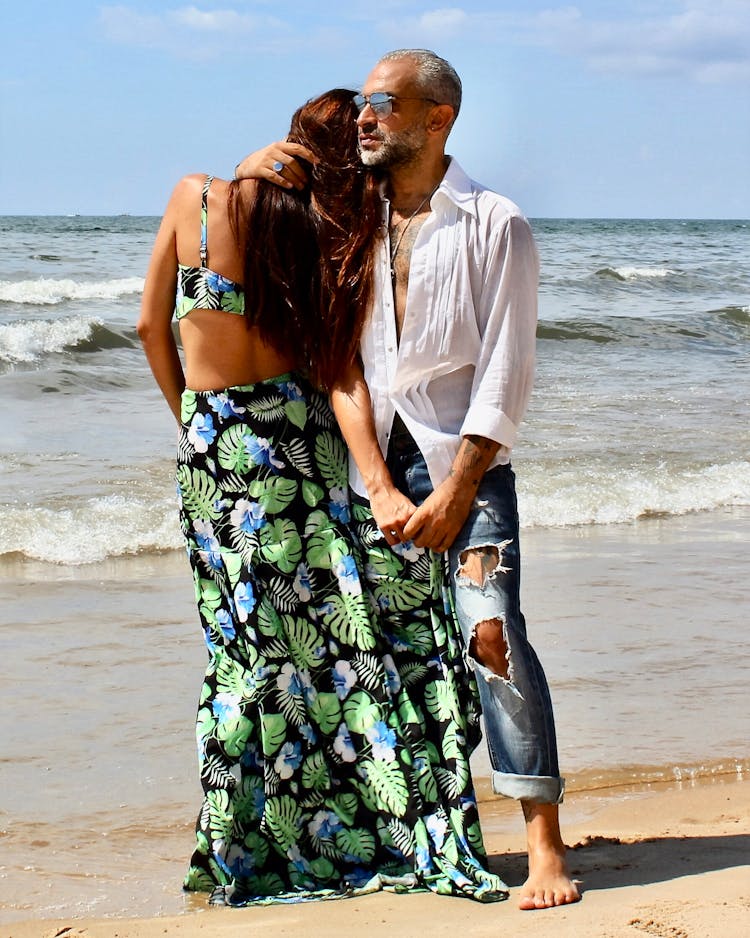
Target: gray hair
point(435, 77)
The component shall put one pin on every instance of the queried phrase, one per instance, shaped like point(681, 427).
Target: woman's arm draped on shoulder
point(157, 307)
point(350, 399)
point(262, 165)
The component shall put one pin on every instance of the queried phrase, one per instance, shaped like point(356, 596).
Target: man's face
point(399, 139)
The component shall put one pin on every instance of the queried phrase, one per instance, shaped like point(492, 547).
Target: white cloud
point(702, 40)
point(190, 31)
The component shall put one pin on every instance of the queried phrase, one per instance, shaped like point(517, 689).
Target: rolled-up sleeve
point(507, 319)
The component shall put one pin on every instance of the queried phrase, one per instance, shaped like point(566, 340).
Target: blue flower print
point(248, 516)
point(223, 406)
point(392, 676)
point(288, 759)
point(344, 678)
point(339, 505)
point(208, 545)
point(201, 432)
point(289, 681)
point(218, 283)
point(261, 452)
point(226, 625)
point(241, 862)
point(383, 740)
point(226, 707)
point(291, 390)
point(343, 745)
point(324, 825)
point(302, 583)
point(348, 576)
point(244, 600)
point(308, 733)
point(437, 827)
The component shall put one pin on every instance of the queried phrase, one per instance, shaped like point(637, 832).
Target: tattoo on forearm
point(472, 459)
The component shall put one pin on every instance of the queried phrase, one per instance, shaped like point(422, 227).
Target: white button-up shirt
point(465, 362)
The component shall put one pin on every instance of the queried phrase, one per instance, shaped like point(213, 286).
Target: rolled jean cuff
point(538, 789)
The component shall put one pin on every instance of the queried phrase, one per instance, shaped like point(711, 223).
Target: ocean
point(633, 471)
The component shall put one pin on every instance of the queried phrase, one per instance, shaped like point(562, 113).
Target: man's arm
point(507, 316)
point(440, 517)
point(351, 403)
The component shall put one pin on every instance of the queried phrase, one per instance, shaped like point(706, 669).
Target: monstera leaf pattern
point(336, 716)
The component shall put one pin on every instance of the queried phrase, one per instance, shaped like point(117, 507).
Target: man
point(448, 356)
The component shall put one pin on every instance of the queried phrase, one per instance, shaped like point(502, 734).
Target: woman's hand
point(277, 163)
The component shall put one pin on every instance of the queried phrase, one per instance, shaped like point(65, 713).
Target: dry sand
point(668, 860)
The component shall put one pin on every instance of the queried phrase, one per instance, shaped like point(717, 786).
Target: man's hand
point(277, 163)
point(437, 521)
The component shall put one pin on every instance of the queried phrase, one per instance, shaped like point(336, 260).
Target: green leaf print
point(304, 640)
point(384, 562)
point(315, 774)
point(258, 846)
point(219, 815)
point(205, 722)
point(273, 493)
point(326, 548)
point(323, 870)
point(234, 564)
point(418, 635)
point(449, 782)
point(283, 818)
point(311, 493)
point(439, 700)
point(245, 804)
point(268, 619)
point(280, 545)
point(325, 711)
point(233, 454)
point(387, 781)
point(360, 711)
point(234, 734)
point(199, 493)
point(412, 673)
point(345, 806)
point(198, 880)
point(401, 595)
point(330, 455)
point(450, 745)
point(296, 412)
point(357, 842)
point(273, 732)
point(232, 677)
point(188, 406)
point(348, 618)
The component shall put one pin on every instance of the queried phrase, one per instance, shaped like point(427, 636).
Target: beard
point(400, 148)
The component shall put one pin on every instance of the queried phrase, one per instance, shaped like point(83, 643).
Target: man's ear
point(441, 118)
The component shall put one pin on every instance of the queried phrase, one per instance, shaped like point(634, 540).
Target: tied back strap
point(204, 221)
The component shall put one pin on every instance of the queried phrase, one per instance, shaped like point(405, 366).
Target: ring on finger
point(278, 166)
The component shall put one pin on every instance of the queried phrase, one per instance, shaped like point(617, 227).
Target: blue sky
point(638, 108)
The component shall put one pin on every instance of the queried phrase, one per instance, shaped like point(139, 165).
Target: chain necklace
point(417, 210)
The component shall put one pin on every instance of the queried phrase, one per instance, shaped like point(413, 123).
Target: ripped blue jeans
point(517, 710)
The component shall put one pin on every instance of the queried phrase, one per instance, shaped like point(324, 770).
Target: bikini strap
point(204, 221)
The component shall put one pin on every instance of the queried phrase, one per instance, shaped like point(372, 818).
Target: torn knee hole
point(489, 647)
point(478, 563)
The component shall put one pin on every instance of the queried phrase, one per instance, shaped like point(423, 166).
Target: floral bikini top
point(201, 287)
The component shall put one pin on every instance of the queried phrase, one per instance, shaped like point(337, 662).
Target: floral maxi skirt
point(337, 716)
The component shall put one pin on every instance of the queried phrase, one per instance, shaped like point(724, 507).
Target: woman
point(332, 746)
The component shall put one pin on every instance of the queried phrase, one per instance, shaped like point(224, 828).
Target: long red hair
point(308, 256)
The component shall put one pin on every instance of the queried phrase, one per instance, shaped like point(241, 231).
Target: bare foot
point(549, 883)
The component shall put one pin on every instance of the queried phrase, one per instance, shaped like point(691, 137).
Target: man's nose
point(367, 117)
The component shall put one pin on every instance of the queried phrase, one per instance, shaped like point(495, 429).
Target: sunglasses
point(381, 102)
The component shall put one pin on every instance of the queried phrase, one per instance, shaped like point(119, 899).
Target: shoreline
point(671, 860)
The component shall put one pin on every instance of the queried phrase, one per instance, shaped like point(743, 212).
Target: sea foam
point(47, 292)
point(31, 340)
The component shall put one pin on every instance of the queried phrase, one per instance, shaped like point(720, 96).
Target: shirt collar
point(455, 186)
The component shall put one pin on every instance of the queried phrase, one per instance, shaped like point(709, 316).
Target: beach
point(673, 862)
point(634, 497)
point(98, 814)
